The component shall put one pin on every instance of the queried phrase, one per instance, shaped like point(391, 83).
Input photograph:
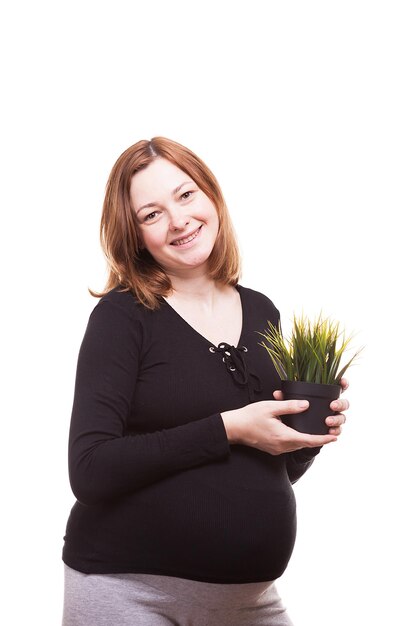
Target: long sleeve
point(299, 462)
point(104, 460)
point(159, 490)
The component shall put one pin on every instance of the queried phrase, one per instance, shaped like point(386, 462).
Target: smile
point(182, 242)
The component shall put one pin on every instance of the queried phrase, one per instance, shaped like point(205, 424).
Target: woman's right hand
point(258, 425)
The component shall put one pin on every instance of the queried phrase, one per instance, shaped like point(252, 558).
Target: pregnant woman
point(178, 459)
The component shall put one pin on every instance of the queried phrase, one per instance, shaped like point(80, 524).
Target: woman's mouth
point(182, 242)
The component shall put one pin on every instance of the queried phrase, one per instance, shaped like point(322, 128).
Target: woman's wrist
point(232, 426)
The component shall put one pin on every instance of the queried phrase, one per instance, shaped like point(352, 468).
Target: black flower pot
point(319, 396)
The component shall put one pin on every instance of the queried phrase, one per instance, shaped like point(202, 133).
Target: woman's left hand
point(335, 422)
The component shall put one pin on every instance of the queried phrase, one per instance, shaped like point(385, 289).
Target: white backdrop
point(306, 113)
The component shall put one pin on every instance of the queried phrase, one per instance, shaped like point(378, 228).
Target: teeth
point(180, 242)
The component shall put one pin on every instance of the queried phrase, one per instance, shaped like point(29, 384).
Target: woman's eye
point(150, 216)
point(186, 195)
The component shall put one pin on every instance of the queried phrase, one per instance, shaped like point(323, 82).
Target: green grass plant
point(312, 353)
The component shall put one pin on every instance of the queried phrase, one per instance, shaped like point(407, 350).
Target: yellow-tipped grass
point(312, 353)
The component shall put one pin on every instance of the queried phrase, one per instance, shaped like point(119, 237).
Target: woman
point(180, 464)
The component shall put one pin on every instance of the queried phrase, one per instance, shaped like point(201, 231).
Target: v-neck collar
point(196, 332)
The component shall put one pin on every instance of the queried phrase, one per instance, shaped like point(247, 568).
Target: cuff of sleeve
point(305, 454)
point(202, 441)
point(219, 435)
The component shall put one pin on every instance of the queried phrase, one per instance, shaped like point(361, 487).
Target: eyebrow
point(174, 191)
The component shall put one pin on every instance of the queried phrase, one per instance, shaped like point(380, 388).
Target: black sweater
point(159, 490)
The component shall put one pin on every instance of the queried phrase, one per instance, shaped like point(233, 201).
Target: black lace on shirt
point(234, 359)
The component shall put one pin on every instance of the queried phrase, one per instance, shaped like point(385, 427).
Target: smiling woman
point(175, 434)
point(132, 203)
point(179, 229)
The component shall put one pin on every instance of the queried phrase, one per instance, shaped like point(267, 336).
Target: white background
point(306, 113)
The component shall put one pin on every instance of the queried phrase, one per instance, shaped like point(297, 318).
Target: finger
point(305, 440)
point(339, 405)
point(335, 431)
point(278, 395)
point(335, 420)
point(344, 383)
point(313, 441)
point(284, 407)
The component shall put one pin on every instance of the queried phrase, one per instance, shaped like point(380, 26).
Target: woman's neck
point(197, 289)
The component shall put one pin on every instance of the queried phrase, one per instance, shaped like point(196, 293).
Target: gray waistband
point(193, 592)
point(209, 595)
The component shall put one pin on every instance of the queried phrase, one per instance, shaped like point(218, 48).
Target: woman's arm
point(258, 425)
point(104, 462)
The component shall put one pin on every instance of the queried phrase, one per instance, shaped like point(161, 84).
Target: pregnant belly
point(231, 522)
point(233, 528)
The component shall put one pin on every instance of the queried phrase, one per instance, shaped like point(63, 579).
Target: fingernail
point(303, 404)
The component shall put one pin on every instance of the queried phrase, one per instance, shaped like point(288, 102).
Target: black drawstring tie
point(235, 363)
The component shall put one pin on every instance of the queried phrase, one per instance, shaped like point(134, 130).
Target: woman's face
point(178, 223)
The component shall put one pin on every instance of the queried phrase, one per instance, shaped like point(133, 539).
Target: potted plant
point(309, 366)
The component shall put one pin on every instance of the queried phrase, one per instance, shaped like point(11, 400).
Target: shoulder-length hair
point(131, 267)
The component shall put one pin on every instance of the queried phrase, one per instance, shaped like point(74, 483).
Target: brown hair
point(133, 268)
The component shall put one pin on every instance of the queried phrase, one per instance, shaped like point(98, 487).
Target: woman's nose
point(178, 220)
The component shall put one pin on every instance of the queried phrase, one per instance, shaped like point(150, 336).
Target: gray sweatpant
point(149, 600)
